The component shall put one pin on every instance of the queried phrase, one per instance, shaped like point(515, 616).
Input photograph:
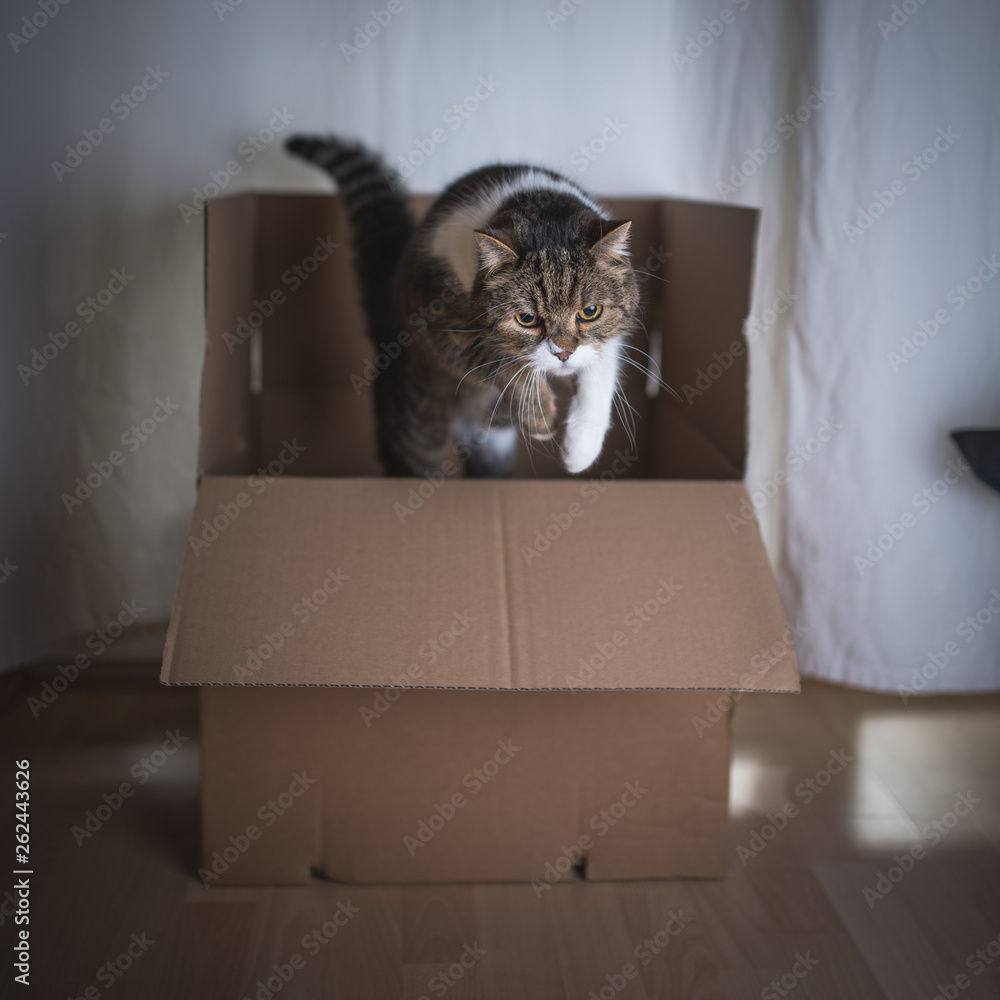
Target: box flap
point(516, 584)
point(228, 441)
point(710, 276)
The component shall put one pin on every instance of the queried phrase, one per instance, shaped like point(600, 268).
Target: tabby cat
point(515, 277)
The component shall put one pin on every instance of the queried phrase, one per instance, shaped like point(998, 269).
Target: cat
point(514, 277)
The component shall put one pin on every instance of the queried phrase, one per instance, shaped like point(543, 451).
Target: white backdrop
point(691, 89)
point(891, 544)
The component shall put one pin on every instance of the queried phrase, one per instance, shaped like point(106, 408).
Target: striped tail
point(381, 222)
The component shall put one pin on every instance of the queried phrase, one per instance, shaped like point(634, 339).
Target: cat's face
point(551, 294)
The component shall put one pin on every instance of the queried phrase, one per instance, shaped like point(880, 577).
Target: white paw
point(582, 445)
point(590, 412)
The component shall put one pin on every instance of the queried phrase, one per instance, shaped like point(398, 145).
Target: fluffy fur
point(501, 243)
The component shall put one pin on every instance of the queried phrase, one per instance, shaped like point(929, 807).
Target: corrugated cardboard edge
point(455, 687)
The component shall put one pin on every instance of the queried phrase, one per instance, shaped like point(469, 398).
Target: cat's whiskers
point(625, 415)
point(648, 371)
point(538, 396)
point(525, 401)
point(534, 378)
point(502, 364)
point(520, 405)
point(632, 347)
point(502, 391)
point(493, 307)
point(632, 410)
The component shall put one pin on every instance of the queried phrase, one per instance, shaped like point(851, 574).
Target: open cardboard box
point(465, 680)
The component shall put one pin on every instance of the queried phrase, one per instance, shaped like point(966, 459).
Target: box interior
point(293, 376)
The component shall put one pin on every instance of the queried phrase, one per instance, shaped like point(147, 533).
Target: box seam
point(512, 671)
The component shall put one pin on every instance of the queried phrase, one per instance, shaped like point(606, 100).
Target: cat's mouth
point(550, 359)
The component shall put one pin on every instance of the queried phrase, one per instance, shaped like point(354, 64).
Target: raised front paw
point(582, 444)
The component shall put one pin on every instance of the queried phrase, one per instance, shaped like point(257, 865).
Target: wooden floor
point(793, 914)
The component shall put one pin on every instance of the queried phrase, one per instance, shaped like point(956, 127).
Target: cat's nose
point(562, 355)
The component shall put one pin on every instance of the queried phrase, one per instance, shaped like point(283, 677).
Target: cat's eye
point(527, 319)
point(588, 313)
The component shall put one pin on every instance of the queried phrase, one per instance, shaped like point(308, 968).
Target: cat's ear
point(614, 243)
point(493, 251)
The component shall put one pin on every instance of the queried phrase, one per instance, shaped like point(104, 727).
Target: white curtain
point(806, 115)
point(892, 554)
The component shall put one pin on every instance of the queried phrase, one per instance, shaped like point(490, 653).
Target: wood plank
point(800, 896)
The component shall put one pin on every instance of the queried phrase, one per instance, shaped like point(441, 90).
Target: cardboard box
point(465, 680)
